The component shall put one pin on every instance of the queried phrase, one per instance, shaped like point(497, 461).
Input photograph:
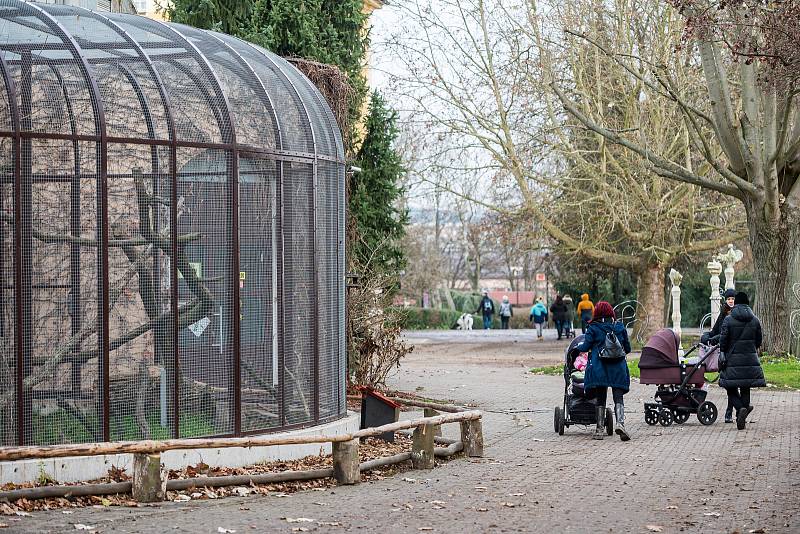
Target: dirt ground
point(495, 348)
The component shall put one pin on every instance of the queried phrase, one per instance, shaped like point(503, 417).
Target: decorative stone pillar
point(731, 257)
point(714, 269)
point(676, 278)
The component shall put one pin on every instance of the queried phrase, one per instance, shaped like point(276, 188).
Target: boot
point(729, 414)
point(741, 417)
point(619, 413)
point(600, 429)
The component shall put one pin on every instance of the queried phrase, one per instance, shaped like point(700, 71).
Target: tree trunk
point(776, 257)
point(650, 294)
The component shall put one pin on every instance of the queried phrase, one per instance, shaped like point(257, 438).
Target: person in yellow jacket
point(585, 311)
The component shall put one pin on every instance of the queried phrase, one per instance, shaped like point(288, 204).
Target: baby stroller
point(577, 408)
point(681, 386)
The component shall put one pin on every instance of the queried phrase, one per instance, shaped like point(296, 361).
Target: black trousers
point(504, 322)
point(559, 327)
point(739, 397)
point(601, 394)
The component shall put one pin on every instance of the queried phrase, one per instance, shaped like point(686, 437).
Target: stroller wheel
point(707, 413)
point(680, 416)
point(558, 420)
point(665, 417)
point(650, 416)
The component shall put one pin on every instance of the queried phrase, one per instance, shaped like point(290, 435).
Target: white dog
point(465, 321)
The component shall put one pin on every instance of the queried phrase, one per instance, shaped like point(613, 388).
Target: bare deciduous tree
point(746, 128)
point(474, 74)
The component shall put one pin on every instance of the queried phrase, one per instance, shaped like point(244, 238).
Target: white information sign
point(200, 326)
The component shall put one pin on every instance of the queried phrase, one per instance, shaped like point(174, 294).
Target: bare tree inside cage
point(172, 238)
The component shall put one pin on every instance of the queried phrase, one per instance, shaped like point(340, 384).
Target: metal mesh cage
point(172, 233)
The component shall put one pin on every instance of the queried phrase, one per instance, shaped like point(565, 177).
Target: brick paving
point(686, 478)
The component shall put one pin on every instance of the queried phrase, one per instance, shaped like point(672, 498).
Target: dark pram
point(681, 390)
point(578, 408)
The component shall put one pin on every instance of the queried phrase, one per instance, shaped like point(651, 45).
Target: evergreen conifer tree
point(375, 193)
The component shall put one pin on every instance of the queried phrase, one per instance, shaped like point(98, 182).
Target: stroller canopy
point(570, 355)
point(572, 350)
point(661, 350)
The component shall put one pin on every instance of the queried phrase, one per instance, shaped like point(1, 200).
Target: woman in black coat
point(712, 337)
point(739, 341)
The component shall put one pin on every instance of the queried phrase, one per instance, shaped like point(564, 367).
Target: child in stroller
point(681, 383)
point(577, 408)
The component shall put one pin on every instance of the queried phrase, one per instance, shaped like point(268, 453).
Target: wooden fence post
point(422, 447)
point(149, 480)
point(430, 412)
point(346, 462)
point(472, 437)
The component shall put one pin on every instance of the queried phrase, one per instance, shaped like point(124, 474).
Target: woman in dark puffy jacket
point(601, 374)
point(739, 341)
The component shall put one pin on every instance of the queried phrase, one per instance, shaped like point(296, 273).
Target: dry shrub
point(334, 86)
point(375, 346)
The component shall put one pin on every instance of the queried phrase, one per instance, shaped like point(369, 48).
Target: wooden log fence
point(149, 482)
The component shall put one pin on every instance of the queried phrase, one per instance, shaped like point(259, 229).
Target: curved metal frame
point(216, 99)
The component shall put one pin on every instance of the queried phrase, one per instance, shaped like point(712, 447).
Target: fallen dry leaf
point(483, 509)
point(654, 528)
point(81, 526)
point(712, 514)
point(298, 520)
point(508, 504)
point(223, 530)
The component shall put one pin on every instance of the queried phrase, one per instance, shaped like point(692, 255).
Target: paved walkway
point(682, 478)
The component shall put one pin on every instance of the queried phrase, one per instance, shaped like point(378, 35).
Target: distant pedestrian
point(739, 342)
point(538, 316)
point(585, 311)
point(559, 311)
point(570, 316)
point(486, 309)
point(506, 312)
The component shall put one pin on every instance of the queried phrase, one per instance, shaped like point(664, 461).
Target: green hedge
point(426, 319)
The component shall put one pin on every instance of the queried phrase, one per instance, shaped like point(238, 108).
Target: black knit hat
point(742, 298)
point(729, 293)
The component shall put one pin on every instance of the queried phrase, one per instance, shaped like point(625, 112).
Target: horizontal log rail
point(114, 488)
point(150, 483)
point(153, 447)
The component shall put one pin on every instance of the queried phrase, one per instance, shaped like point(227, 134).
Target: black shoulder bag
point(612, 349)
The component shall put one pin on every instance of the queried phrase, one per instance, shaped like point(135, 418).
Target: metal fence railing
point(170, 233)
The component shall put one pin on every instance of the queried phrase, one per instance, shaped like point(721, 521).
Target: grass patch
point(63, 427)
point(550, 370)
point(782, 372)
